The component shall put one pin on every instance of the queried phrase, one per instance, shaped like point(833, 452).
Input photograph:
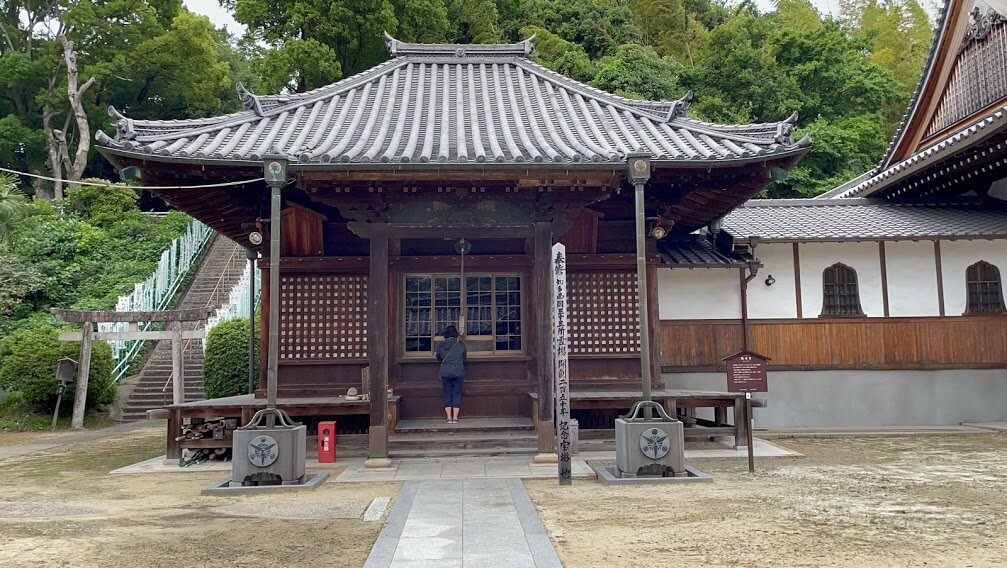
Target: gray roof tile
point(868, 219)
point(453, 104)
point(696, 251)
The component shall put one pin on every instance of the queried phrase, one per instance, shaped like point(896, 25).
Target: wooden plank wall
point(890, 343)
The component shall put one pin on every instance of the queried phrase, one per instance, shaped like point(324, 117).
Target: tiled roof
point(867, 219)
point(453, 104)
point(696, 251)
point(863, 186)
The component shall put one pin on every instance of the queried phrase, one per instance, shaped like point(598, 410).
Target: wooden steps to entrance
point(469, 437)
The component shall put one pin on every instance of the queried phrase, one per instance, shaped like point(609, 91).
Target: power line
point(203, 186)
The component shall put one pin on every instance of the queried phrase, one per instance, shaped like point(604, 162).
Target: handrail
point(154, 293)
point(209, 302)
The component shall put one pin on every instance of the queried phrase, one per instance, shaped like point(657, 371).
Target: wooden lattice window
point(603, 313)
point(985, 292)
point(323, 317)
point(491, 304)
point(841, 294)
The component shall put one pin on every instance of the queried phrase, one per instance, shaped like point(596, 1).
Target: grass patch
point(97, 457)
point(22, 418)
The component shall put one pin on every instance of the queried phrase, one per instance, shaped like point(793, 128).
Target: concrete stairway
point(219, 270)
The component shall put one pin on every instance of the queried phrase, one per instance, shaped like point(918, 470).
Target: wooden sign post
point(746, 372)
point(561, 349)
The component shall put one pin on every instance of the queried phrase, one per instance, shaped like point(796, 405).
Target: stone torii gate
point(88, 335)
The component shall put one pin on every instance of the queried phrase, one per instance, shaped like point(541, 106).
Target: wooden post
point(377, 345)
point(177, 364)
point(748, 432)
point(542, 309)
point(654, 316)
point(80, 398)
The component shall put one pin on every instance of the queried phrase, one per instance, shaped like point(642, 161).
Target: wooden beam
point(177, 366)
point(83, 374)
point(940, 277)
point(98, 316)
point(884, 277)
point(377, 340)
point(130, 335)
point(797, 280)
point(541, 310)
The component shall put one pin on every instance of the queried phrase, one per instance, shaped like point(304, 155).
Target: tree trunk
point(54, 137)
point(75, 95)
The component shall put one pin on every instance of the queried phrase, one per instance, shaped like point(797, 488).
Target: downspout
point(753, 269)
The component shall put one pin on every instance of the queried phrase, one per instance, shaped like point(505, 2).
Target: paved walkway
point(75, 437)
point(468, 523)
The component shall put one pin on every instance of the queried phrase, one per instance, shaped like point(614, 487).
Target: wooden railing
point(963, 342)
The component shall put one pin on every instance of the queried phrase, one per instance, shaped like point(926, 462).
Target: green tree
point(561, 56)
point(11, 201)
point(598, 26)
point(898, 33)
point(639, 72)
point(225, 367)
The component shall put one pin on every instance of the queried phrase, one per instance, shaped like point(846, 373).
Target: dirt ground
point(61, 507)
point(865, 502)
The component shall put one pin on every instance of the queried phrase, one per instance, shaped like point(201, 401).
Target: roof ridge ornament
point(123, 126)
point(679, 107)
point(786, 128)
point(980, 24)
point(397, 48)
point(249, 100)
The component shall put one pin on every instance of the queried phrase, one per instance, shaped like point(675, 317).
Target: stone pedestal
point(640, 443)
point(277, 451)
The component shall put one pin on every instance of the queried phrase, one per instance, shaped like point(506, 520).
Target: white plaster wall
point(862, 257)
point(956, 256)
point(778, 301)
point(912, 279)
point(698, 293)
point(869, 398)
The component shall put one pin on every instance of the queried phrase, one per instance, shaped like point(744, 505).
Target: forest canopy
point(63, 62)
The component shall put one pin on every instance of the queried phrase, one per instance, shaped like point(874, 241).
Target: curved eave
point(797, 150)
point(988, 126)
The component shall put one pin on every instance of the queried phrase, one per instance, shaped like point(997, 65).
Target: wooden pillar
point(377, 344)
point(177, 364)
point(173, 450)
point(263, 327)
point(654, 317)
point(83, 372)
point(541, 307)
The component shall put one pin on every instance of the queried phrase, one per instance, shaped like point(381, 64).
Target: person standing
point(452, 354)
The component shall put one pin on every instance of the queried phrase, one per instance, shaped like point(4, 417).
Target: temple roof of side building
point(824, 220)
point(696, 251)
point(959, 102)
point(450, 105)
point(897, 178)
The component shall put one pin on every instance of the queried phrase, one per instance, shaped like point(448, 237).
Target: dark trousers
point(452, 391)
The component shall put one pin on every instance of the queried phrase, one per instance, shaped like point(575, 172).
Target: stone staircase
point(416, 438)
point(219, 270)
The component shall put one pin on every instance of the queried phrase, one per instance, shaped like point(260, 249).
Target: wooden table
point(243, 407)
point(672, 400)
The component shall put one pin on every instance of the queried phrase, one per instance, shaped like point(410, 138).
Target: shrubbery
point(225, 364)
point(28, 359)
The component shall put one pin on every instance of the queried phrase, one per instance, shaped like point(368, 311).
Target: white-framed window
point(491, 304)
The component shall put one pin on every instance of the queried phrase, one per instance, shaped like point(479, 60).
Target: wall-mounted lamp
point(659, 232)
point(770, 280)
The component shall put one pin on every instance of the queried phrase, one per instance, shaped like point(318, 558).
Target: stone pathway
point(465, 523)
point(76, 437)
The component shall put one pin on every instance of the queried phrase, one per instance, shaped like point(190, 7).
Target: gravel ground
point(161, 520)
point(907, 501)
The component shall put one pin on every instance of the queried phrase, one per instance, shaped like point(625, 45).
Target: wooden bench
point(243, 407)
point(672, 400)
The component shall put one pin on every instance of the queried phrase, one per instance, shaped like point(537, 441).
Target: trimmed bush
point(28, 359)
point(225, 364)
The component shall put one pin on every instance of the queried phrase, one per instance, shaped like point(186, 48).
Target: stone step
point(474, 452)
point(502, 440)
point(465, 425)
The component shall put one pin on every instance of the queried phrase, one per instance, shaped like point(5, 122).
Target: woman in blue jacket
point(452, 354)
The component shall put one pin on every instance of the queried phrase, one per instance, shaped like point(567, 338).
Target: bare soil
point(907, 502)
point(61, 507)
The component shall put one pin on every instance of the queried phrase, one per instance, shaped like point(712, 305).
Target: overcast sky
point(222, 17)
